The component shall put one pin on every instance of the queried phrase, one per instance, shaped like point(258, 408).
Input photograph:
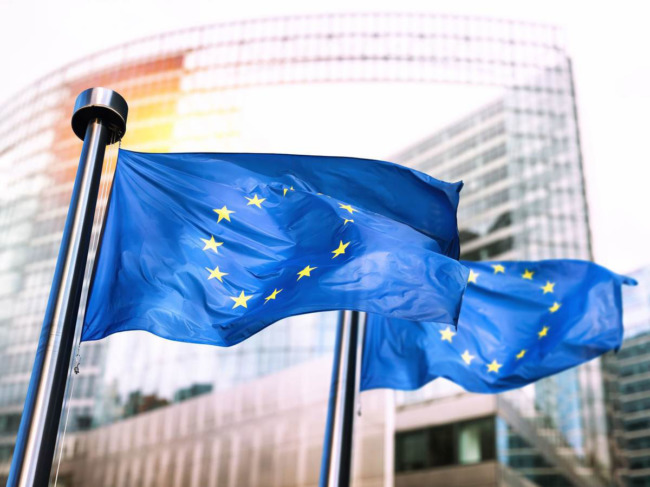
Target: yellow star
point(467, 357)
point(223, 213)
point(446, 334)
point(555, 307)
point(284, 191)
point(241, 300)
point(255, 201)
point(548, 288)
point(521, 354)
point(528, 275)
point(305, 272)
point(544, 332)
point(498, 268)
point(347, 221)
point(347, 207)
point(272, 295)
point(341, 249)
point(211, 244)
point(472, 276)
point(494, 366)
point(216, 274)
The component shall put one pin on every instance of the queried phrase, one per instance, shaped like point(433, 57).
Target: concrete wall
point(480, 475)
point(265, 433)
point(460, 407)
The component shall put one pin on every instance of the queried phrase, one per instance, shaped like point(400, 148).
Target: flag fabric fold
point(519, 322)
point(211, 248)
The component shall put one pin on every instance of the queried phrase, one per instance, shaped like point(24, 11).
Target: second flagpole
point(336, 465)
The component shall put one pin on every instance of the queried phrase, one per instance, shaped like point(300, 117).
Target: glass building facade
point(524, 199)
point(628, 389)
point(199, 89)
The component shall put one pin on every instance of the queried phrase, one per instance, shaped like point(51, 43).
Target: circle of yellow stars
point(529, 275)
point(213, 245)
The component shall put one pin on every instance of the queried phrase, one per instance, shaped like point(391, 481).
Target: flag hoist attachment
point(99, 119)
point(336, 464)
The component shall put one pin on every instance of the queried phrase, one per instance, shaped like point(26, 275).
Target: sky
point(608, 46)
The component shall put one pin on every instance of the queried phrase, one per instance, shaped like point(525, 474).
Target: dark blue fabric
point(392, 227)
point(561, 312)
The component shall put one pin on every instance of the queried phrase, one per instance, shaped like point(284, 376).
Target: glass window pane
point(476, 441)
point(411, 451)
point(441, 445)
point(469, 449)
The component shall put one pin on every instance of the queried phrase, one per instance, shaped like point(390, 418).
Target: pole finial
point(103, 104)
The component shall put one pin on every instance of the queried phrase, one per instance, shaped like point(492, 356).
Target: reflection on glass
point(459, 443)
point(476, 441)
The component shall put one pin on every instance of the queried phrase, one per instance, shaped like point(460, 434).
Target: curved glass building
point(486, 100)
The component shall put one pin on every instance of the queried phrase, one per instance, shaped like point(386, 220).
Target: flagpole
point(99, 119)
point(336, 464)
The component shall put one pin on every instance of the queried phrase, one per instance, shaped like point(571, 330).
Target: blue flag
point(519, 322)
point(211, 248)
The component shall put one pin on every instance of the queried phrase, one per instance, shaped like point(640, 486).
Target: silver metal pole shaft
point(336, 466)
point(99, 118)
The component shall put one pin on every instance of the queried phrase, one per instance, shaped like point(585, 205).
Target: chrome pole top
point(103, 104)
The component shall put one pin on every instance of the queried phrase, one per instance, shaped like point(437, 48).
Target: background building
point(628, 387)
point(523, 198)
point(325, 83)
point(265, 433)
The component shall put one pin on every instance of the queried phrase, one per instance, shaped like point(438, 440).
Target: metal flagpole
point(336, 465)
point(99, 119)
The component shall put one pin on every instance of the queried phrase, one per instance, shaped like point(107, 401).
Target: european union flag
point(211, 248)
point(519, 322)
